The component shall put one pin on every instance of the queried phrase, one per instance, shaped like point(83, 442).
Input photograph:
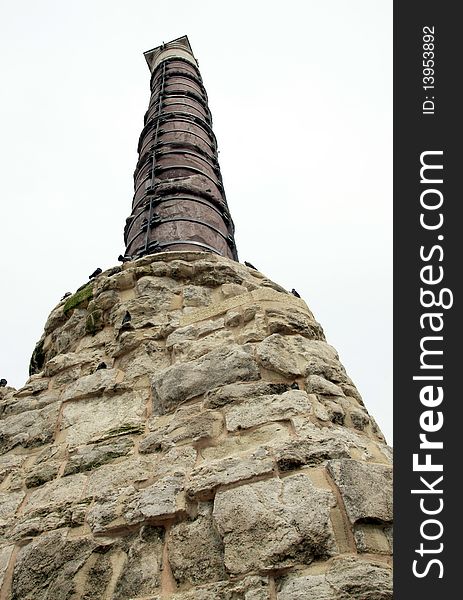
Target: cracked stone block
point(263, 526)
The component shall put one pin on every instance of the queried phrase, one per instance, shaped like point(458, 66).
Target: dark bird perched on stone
point(248, 264)
point(294, 386)
point(66, 295)
point(127, 318)
point(124, 258)
point(102, 365)
point(3, 382)
point(95, 273)
point(295, 293)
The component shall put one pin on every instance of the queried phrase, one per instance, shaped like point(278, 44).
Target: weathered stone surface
point(290, 321)
point(366, 489)
point(194, 295)
point(141, 572)
point(55, 500)
point(28, 429)
point(91, 385)
point(92, 456)
point(5, 555)
point(193, 332)
point(116, 476)
point(9, 504)
point(195, 550)
point(272, 532)
point(182, 382)
point(164, 498)
point(267, 408)
point(234, 392)
point(194, 349)
point(295, 355)
point(231, 469)
point(185, 424)
point(219, 391)
point(317, 446)
point(42, 472)
point(34, 385)
point(46, 567)
point(102, 418)
point(267, 436)
point(372, 539)
point(147, 359)
point(353, 579)
point(319, 385)
point(248, 588)
point(303, 587)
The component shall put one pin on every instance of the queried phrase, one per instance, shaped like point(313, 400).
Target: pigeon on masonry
point(102, 365)
point(295, 293)
point(66, 295)
point(3, 382)
point(127, 318)
point(294, 386)
point(248, 264)
point(123, 258)
point(95, 273)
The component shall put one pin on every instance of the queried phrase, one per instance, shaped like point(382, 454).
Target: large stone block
point(102, 418)
point(195, 550)
point(211, 474)
point(258, 411)
point(295, 355)
point(263, 526)
point(366, 489)
point(188, 380)
point(29, 429)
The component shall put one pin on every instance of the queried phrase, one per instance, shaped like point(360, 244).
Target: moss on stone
point(83, 294)
point(94, 322)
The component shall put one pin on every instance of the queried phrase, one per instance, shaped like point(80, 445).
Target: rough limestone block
point(289, 321)
point(141, 572)
point(316, 446)
point(249, 588)
point(295, 355)
point(211, 474)
point(46, 567)
point(9, 503)
point(54, 505)
point(102, 418)
point(275, 434)
point(235, 392)
point(185, 381)
point(297, 587)
point(319, 385)
point(193, 332)
point(194, 349)
point(116, 476)
point(163, 499)
point(92, 456)
point(261, 410)
point(371, 539)
point(62, 362)
point(194, 295)
point(366, 489)
point(34, 385)
point(177, 461)
point(29, 429)
point(352, 579)
point(184, 424)
point(195, 550)
point(264, 527)
point(101, 381)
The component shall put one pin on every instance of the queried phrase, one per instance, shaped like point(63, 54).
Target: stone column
point(188, 433)
point(179, 201)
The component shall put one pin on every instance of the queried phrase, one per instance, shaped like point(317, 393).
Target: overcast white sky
point(301, 97)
